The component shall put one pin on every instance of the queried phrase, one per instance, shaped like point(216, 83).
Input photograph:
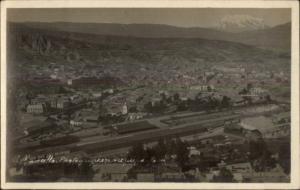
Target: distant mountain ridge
point(241, 23)
point(41, 46)
point(277, 37)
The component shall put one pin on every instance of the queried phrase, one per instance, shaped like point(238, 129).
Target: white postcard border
point(295, 167)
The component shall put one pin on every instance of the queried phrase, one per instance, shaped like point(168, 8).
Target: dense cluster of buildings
point(103, 102)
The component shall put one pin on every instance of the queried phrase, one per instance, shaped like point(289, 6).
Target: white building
point(203, 88)
point(69, 81)
point(76, 122)
point(35, 108)
point(96, 94)
point(124, 109)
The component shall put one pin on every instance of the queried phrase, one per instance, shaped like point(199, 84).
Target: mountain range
point(240, 23)
point(278, 37)
point(41, 44)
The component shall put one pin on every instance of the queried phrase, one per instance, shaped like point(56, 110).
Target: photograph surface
point(195, 95)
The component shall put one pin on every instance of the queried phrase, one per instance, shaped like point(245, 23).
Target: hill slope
point(277, 37)
point(43, 46)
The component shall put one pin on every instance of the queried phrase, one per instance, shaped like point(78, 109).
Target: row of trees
point(198, 104)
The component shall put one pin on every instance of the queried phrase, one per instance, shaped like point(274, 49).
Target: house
point(76, 122)
point(96, 94)
point(109, 91)
point(135, 116)
point(62, 103)
point(124, 110)
point(36, 108)
point(239, 167)
point(258, 91)
point(40, 99)
point(193, 151)
point(203, 88)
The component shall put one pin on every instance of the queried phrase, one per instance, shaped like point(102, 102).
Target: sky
point(182, 17)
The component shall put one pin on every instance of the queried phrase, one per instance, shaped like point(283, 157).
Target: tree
point(256, 148)
point(249, 86)
point(86, 171)
point(149, 155)
point(137, 152)
point(102, 110)
point(133, 109)
point(244, 91)
point(225, 102)
point(160, 150)
point(171, 146)
point(182, 153)
point(284, 157)
point(176, 97)
point(268, 98)
point(148, 107)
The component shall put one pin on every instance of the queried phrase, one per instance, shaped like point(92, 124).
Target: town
point(195, 132)
point(135, 113)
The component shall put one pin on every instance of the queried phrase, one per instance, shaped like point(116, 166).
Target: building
point(62, 103)
point(76, 122)
point(69, 82)
point(109, 91)
point(40, 99)
point(96, 94)
point(124, 109)
point(36, 108)
point(240, 167)
point(203, 88)
point(258, 91)
point(193, 151)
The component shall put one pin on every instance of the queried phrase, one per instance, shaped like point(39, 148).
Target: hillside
point(43, 46)
point(277, 37)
